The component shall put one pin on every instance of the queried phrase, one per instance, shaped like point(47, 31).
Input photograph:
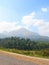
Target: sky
point(30, 14)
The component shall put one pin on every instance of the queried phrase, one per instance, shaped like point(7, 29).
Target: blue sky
point(30, 14)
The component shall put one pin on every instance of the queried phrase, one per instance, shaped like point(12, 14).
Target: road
point(8, 60)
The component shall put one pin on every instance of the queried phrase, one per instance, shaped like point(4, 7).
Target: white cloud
point(44, 28)
point(27, 20)
point(44, 9)
point(40, 24)
point(8, 26)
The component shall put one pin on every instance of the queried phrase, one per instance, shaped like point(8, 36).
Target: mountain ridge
point(24, 33)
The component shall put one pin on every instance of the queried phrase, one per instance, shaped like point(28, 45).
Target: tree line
point(23, 44)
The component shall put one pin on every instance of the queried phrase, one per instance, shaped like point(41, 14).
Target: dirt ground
point(39, 61)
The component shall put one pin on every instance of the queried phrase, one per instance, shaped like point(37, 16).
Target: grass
point(26, 52)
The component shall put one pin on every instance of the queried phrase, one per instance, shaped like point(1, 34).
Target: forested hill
point(23, 44)
point(24, 33)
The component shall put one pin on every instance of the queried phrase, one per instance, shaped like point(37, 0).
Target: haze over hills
point(24, 33)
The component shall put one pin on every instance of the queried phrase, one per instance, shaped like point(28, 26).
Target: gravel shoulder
point(24, 59)
point(8, 60)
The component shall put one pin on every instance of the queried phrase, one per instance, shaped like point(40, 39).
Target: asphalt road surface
point(9, 60)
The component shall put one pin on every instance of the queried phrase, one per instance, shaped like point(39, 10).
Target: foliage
point(25, 46)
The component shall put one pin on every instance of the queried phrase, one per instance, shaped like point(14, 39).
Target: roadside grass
point(32, 53)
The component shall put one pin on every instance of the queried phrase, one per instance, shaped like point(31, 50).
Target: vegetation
point(25, 46)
